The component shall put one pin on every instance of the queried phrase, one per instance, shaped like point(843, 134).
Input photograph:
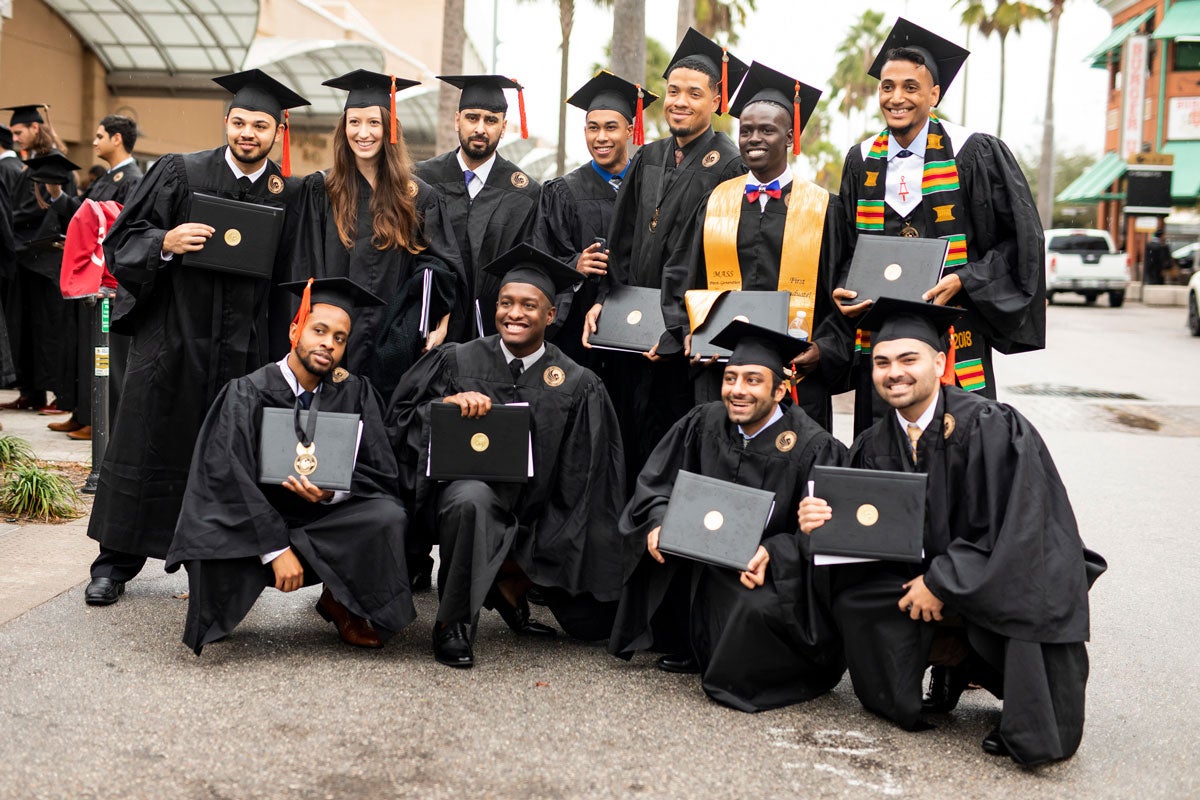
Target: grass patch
point(29, 490)
point(13, 451)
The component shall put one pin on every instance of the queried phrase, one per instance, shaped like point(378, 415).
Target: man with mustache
point(492, 204)
point(193, 329)
point(237, 536)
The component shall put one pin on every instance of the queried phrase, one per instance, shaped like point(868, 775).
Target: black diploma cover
point(895, 266)
point(245, 237)
point(768, 309)
point(492, 448)
point(876, 514)
point(714, 521)
point(335, 447)
point(631, 320)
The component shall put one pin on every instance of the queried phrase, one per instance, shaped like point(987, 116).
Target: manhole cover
point(1056, 390)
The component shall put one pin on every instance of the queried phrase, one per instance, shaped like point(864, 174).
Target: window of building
point(1187, 55)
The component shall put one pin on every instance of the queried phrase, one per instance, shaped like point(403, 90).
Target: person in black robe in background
point(926, 177)
point(193, 330)
point(10, 163)
point(237, 536)
point(558, 531)
point(8, 266)
point(1001, 597)
point(764, 105)
point(490, 210)
point(375, 181)
point(763, 638)
point(654, 212)
point(575, 211)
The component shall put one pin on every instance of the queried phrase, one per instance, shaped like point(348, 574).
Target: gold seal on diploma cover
point(480, 442)
point(306, 459)
point(634, 317)
point(740, 318)
point(233, 237)
point(520, 180)
point(710, 158)
point(713, 520)
point(892, 272)
point(340, 375)
point(274, 184)
point(785, 441)
point(120, 176)
point(554, 376)
point(947, 426)
point(867, 515)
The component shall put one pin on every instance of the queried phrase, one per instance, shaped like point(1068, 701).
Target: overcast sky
point(799, 37)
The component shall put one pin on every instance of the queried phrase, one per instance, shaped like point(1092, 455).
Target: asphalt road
point(107, 702)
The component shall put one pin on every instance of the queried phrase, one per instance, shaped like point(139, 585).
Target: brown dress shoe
point(65, 426)
point(20, 404)
point(353, 630)
point(84, 434)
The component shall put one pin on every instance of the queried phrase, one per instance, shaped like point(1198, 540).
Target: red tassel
point(948, 374)
point(392, 136)
point(796, 126)
point(724, 81)
point(521, 105)
point(302, 313)
point(285, 165)
point(639, 124)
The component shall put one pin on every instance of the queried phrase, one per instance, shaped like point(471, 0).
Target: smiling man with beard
point(492, 204)
point(558, 531)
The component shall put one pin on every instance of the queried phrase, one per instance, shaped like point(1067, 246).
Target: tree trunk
point(629, 40)
point(453, 37)
point(1045, 189)
point(566, 20)
point(1000, 105)
point(686, 18)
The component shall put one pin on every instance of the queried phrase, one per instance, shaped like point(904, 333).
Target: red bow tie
point(772, 190)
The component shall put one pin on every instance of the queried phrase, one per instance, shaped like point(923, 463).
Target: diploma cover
point(895, 266)
point(876, 514)
point(493, 448)
point(715, 521)
point(245, 237)
point(334, 448)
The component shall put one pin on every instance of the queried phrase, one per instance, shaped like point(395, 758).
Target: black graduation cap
point(341, 292)
point(606, 92)
point(755, 345)
point(487, 92)
point(943, 57)
point(368, 88)
point(53, 167)
point(765, 84)
point(721, 64)
point(25, 115)
point(6, 138)
point(255, 90)
point(524, 263)
point(890, 318)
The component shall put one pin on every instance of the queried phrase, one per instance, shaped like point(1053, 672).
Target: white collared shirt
point(8, 154)
point(904, 175)
point(237, 171)
point(923, 420)
point(753, 180)
point(481, 173)
point(126, 163)
point(527, 361)
point(778, 415)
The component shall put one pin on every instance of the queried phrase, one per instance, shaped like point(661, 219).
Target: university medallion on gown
point(120, 176)
point(340, 375)
point(306, 459)
point(554, 376)
point(947, 426)
point(785, 441)
point(520, 180)
point(710, 158)
point(274, 184)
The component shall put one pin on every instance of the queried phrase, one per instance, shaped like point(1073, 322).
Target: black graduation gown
point(561, 526)
point(8, 267)
point(573, 211)
point(501, 216)
point(229, 519)
point(758, 648)
point(193, 330)
point(384, 341)
point(760, 248)
point(1003, 552)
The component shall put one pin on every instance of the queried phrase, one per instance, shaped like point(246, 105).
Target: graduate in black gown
point(654, 214)
point(771, 204)
point(370, 219)
point(923, 176)
point(558, 531)
point(237, 536)
point(1001, 597)
point(492, 204)
point(193, 330)
point(762, 638)
point(575, 211)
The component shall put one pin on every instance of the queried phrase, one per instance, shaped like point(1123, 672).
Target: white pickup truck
point(1084, 261)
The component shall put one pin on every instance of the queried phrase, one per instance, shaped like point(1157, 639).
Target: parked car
point(1194, 304)
point(1084, 261)
point(1184, 259)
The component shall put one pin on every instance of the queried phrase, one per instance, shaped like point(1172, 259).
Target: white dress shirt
point(481, 173)
point(528, 361)
point(778, 415)
point(923, 420)
point(753, 180)
point(904, 175)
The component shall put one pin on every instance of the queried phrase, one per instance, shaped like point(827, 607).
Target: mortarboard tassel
point(796, 121)
point(724, 81)
point(285, 163)
point(639, 124)
point(521, 106)
point(302, 313)
point(948, 374)
point(392, 136)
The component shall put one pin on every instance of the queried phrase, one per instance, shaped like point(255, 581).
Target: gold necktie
point(914, 435)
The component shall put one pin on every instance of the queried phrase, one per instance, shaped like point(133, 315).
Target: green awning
point(1181, 19)
point(1114, 40)
point(1185, 178)
point(1093, 185)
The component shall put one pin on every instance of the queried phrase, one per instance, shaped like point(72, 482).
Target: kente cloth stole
point(803, 230)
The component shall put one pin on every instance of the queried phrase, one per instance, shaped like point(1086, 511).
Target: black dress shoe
point(946, 685)
point(103, 591)
point(994, 745)
point(682, 663)
point(451, 645)
point(517, 617)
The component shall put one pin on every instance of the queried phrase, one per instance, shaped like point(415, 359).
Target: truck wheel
point(1193, 315)
point(1116, 299)
point(1090, 299)
point(1049, 298)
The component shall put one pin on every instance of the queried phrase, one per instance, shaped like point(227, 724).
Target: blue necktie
point(305, 399)
point(904, 154)
point(615, 182)
point(468, 176)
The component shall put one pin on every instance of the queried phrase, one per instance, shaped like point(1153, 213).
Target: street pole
point(101, 308)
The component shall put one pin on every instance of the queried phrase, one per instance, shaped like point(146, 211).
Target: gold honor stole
point(802, 233)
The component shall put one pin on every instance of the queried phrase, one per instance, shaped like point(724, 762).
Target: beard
point(478, 149)
point(258, 154)
point(305, 358)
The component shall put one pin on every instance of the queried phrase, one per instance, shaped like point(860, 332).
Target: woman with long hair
point(368, 218)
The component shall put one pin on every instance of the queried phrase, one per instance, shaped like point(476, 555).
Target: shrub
point(32, 491)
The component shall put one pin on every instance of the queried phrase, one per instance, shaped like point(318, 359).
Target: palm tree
point(974, 17)
point(629, 37)
point(715, 16)
point(1007, 17)
point(1045, 196)
point(685, 18)
point(850, 82)
point(453, 38)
